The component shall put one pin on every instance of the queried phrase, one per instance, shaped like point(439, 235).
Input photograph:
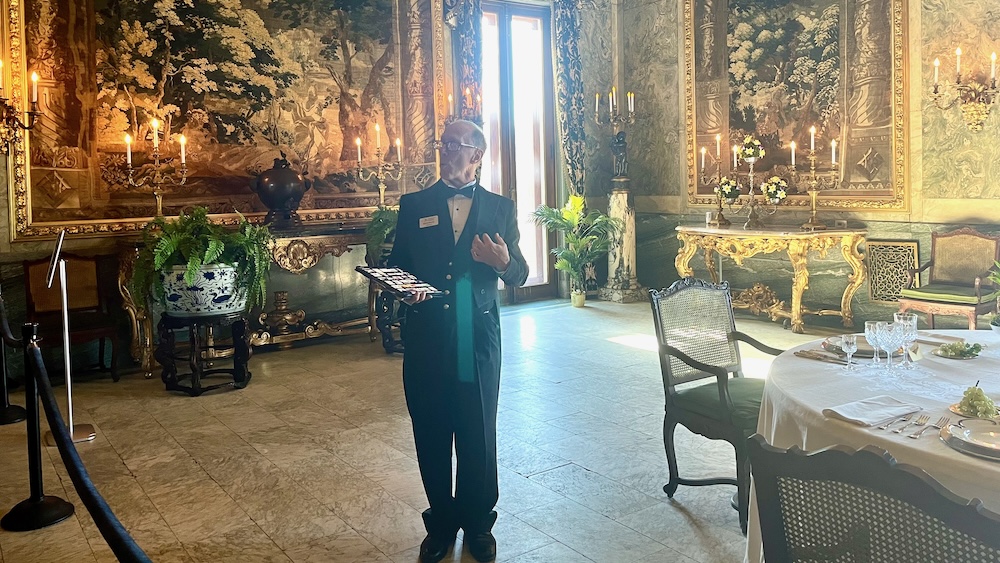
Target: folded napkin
point(871, 411)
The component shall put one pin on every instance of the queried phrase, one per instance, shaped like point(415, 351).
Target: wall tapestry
point(823, 74)
point(242, 81)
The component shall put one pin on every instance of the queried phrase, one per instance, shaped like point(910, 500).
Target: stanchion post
point(38, 510)
point(9, 414)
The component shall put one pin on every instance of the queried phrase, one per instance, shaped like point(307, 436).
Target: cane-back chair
point(703, 379)
point(957, 277)
point(90, 313)
point(839, 504)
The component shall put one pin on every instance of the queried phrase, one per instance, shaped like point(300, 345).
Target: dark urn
point(281, 190)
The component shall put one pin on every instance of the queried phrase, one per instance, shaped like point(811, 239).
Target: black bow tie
point(467, 191)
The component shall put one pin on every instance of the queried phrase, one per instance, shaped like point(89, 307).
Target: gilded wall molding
point(858, 45)
point(102, 206)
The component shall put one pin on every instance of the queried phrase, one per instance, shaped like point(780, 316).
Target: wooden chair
point(957, 277)
point(89, 316)
point(839, 504)
point(698, 341)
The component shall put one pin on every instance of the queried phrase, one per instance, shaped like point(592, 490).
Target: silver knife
point(820, 357)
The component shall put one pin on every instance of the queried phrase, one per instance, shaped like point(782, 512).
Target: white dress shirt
point(459, 207)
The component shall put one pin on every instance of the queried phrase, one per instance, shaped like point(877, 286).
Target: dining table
point(798, 389)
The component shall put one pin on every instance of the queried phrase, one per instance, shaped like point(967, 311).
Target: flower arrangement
point(775, 189)
point(751, 149)
point(728, 188)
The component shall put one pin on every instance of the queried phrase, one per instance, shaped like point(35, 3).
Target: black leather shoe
point(482, 546)
point(435, 547)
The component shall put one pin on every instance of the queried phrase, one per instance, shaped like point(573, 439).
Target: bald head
point(467, 132)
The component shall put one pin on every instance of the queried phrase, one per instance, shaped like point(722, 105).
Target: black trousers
point(450, 414)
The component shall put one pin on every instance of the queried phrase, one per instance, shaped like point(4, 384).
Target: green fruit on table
point(975, 403)
point(960, 350)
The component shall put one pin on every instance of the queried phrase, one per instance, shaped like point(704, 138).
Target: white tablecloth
point(798, 389)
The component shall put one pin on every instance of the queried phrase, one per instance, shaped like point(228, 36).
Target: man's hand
point(416, 297)
point(492, 252)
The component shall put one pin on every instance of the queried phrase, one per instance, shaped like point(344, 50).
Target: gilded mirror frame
point(420, 62)
point(859, 189)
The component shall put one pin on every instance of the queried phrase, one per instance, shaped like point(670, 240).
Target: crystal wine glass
point(872, 337)
point(909, 322)
point(849, 344)
point(883, 337)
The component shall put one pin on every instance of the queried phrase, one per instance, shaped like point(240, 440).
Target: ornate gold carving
point(297, 255)
point(739, 245)
point(760, 299)
point(141, 344)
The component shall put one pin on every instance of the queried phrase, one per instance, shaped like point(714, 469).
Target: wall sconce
point(975, 97)
point(11, 123)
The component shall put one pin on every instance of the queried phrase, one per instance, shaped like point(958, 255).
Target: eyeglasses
point(452, 146)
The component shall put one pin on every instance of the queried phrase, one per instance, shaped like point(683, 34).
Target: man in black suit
point(460, 238)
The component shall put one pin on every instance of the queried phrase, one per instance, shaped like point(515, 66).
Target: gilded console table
point(739, 244)
point(296, 254)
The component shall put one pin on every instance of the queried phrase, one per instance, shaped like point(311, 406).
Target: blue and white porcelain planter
point(213, 293)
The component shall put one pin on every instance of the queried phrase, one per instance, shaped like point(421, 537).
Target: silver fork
point(941, 423)
point(894, 421)
point(921, 420)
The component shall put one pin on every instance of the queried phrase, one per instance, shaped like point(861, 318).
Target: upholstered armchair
point(957, 276)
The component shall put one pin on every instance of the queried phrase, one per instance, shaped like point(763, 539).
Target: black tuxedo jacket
point(425, 246)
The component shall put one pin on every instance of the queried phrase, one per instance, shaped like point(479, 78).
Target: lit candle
point(183, 142)
point(34, 87)
point(451, 104)
point(631, 102)
point(703, 151)
point(597, 102)
point(833, 151)
point(399, 150)
point(812, 138)
point(718, 147)
point(155, 124)
point(611, 103)
point(735, 162)
point(958, 61)
point(378, 137)
point(1, 76)
point(358, 142)
point(792, 144)
point(937, 67)
point(128, 149)
point(614, 98)
point(993, 66)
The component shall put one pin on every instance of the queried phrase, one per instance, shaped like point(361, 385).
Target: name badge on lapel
point(431, 221)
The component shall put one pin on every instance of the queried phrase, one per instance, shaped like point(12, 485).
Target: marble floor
point(314, 460)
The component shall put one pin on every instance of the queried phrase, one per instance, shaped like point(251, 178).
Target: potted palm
point(197, 268)
point(587, 236)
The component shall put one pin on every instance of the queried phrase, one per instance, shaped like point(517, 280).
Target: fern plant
point(193, 241)
point(381, 228)
point(587, 234)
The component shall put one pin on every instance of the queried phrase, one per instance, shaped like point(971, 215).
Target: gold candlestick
point(813, 224)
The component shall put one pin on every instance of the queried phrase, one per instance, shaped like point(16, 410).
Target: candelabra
point(976, 98)
point(718, 218)
point(383, 170)
point(617, 120)
point(815, 182)
point(752, 206)
point(11, 123)
point(161, 173)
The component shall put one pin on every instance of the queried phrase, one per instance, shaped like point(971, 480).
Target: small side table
point(203, 352)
